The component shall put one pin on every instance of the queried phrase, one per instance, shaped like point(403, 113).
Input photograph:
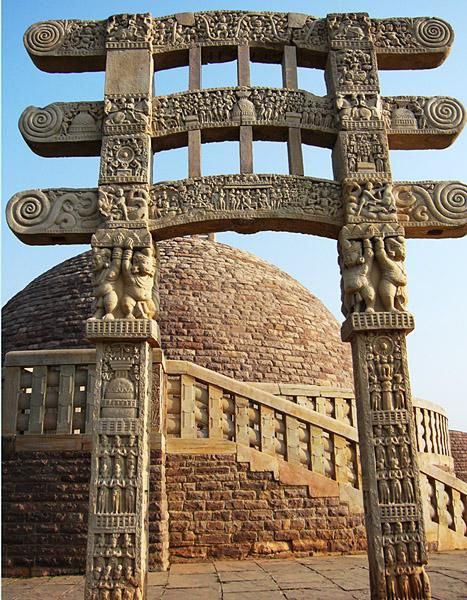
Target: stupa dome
point(221, 308)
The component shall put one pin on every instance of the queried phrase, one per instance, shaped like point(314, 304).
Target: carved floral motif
point(431, 203)
point(125, 158)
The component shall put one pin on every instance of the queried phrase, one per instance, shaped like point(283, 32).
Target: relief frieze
point(88, 38)
point(73, 215)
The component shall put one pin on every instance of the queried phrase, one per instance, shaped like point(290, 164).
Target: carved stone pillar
point(123, 325)
point(371, 259)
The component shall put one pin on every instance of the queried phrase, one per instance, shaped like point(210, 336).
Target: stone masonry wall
point(459, 453)
point(220, 509)
point(45, 512)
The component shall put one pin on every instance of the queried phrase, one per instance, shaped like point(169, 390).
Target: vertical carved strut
point(123, 326)
point(371, 259)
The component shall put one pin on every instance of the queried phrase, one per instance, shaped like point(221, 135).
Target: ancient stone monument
point(126, 215)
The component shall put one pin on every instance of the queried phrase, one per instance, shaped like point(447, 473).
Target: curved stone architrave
point(246, 203)
point(54, 216)
point(419, 122)
point(432, 208)
point(63, 128)
point(271, 108)
point(73, 45)
point(75, 128)
point(243, 203)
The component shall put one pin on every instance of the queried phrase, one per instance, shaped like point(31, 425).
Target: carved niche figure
point(117, 484)
point(139, 269)
point(371, 259)
point(358, 293)
point(390, 254)
point(369, 202)
point(107, 265)
point(103, 488)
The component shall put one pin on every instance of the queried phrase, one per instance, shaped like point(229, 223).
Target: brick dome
point(221, 308)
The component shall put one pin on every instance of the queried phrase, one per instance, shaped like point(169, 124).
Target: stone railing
point(432, 429)
point(47, 397)
point(48, 391)
point(205, 404)
point(445, 507)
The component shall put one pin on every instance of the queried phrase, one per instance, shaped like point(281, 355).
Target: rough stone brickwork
point(220, 509)
point(222, 308)
point(45, 512)
point(458, 441)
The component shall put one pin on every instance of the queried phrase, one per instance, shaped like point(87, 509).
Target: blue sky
point(436, 268)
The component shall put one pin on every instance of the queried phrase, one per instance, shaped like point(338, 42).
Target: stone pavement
point(318, 578)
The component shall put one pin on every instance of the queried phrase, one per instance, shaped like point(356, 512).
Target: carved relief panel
point(371, 259)
point(124, 269)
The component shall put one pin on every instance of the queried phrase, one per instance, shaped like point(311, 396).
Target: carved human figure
point(103, 488)
point(380, 455)
point(404, 454)
point(118, 452)
point(393, 459)
point(396, 487)
point(107, 267)
point(414, 553)
point(117, 484)
point(408, 493)
point(112, 204)
point(416, 585)
point(403, 584)
point(390, 255)
point(139, 269)
point(384, 491)
point(355, 268)
point(398, 392)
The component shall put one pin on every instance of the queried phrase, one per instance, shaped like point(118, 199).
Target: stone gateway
point(126, 217)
